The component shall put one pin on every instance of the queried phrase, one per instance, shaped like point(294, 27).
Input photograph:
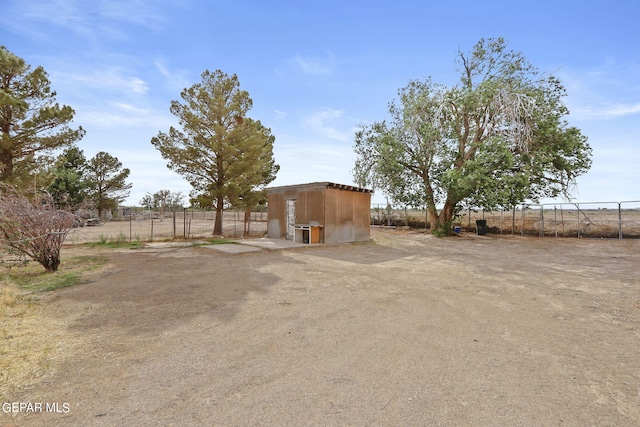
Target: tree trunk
point(433, 217)
point(438, 221)
point(247, 221)
point(6, 164)
point(431, 203)
point(217, 228)
point(446, 214)
point(50, 262)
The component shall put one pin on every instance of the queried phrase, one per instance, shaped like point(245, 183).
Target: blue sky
point(316, 70)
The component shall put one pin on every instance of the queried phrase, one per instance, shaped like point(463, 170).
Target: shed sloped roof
point(318, 186)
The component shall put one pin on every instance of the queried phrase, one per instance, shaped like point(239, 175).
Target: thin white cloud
point(176, 79)
point(63, 13)
point(608, 91)
point(111, 79)
point(313, 66)
point(120, 114)
point(607, 111)
point(160, 65)
point(280, 115)
point(324, 123)
point(92, 21)
point(138, 12)
point(78, 15)
point(79, 18)
point(137, 85)
point(130, 109)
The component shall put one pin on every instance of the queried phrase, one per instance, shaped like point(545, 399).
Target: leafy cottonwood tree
point(106, 181)
point(31, 122)
point(497, 138)
point(222, 153)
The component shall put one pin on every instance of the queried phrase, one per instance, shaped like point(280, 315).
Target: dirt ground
point(407, 330)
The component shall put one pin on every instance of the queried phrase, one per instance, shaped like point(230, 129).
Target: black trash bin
point(481, 227)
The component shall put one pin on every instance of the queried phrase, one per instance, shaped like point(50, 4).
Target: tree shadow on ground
point(145, 293)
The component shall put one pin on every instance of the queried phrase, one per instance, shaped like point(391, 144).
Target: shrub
point(444, 230)
point(33, 228)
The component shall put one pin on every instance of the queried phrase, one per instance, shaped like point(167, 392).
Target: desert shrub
point(443, 230)
point(36, 228)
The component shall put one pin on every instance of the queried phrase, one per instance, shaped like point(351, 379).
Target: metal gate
point(291, 218)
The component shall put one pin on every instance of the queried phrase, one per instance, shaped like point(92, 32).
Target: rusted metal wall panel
point(337, 225)
point(361, 217)
point(276, 225)
point(330, 217)
point(345, 214)
point(301, 207)
point(310, 207)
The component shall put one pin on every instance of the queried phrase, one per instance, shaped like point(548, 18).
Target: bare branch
point(35, 229)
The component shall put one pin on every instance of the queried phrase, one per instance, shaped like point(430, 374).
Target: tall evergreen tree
point(32, 123)
point(221, 152)
point(68, 188)
point(106, 182)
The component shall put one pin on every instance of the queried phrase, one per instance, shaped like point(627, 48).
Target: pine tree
point(32, 123)
point(223, 154)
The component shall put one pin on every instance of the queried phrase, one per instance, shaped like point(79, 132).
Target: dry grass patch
point(28, 341)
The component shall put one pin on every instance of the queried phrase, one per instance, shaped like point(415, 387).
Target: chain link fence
point(617, 220)
point(131, 224)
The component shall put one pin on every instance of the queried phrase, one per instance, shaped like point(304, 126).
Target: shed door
point(291, 218)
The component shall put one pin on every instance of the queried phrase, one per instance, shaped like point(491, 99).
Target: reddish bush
point(33, 228)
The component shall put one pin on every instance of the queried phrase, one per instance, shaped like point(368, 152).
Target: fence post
point(235, 224)
point(578, 206)
point(619, 221)
point(555, 220)
point(522, 229)
point(184, 222)
point(513, 221)
point(152, 230)
point(541, 234)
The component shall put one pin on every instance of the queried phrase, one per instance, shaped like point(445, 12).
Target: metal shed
point(319, 212)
